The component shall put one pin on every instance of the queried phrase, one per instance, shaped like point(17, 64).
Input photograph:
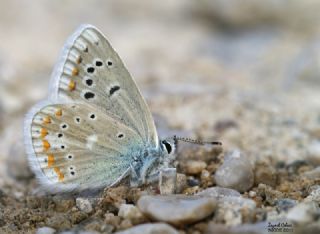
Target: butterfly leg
point(168, 180)
point(135, 179)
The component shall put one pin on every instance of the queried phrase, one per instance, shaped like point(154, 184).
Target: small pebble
point(87, 232)
point(153, 228)
point(181, 182)
point(192, 190)
point(177, 209)
point(45, 230)
point(265, 174)
point(294, 167)
point(234, 210)
point(84, 205)
point(129, 211)
point(254, 228)
point(315, 173)
point(206, 178)
point(304, 213)
point(18, 195)
point(285, 204)
point(236, 172)
point(113, 220)
point(314, 194)
point(238, 202)
point(193, 167)
point(63, 203)
point(59, 221)
point(219, 192)
point(191, 181)
point(125, 224)
point(273, 215)
point(232, 207)
point(269, 194)
point(314, 151)
point(252, 194)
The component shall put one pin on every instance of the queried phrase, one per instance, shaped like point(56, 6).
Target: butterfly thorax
point(147, 164)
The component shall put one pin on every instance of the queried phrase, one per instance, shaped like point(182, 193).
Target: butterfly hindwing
point(91, 71)
point(77, 146)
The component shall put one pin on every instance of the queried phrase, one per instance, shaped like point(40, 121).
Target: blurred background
point(244, 72)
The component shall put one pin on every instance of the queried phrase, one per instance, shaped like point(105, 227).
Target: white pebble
point(303, 213)
point(236, 172)
point(45, 230)
point(150, 229)
point(252, 194)
point(177, 209)
point(84, 205)
point(128, 211)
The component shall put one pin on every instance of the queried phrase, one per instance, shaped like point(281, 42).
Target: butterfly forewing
point(92, 72)
point(78, 146)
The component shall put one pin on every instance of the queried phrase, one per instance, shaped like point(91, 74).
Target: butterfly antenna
point(193, 141)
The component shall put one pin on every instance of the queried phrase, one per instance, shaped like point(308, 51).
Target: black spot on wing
point(90, 69)
point(89, 95)
point(89, 82)
point(113, 90)
point(99, 63)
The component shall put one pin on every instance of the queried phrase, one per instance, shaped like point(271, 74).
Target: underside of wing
point(76, 146)
point(90, 71)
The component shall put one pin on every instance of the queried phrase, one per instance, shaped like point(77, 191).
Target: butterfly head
point(156, 159)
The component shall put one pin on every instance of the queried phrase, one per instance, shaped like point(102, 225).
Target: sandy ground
point(246, 75)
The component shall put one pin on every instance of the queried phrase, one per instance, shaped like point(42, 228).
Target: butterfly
point(95, 128)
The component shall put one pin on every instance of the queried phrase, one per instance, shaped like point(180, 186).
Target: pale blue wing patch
point(90, 71)
point(76, 146)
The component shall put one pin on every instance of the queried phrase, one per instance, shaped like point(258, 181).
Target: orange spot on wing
point(56, 170)
point(50, 160)
point(59, 173)
point(47, 120)
point(59, 112)
point(61, 176)
point(72, 85)
point(43, 132)
point(79, 60)
point(75, 71)
point(46, 145)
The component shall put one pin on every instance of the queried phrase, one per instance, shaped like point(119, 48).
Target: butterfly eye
point(167, 146)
